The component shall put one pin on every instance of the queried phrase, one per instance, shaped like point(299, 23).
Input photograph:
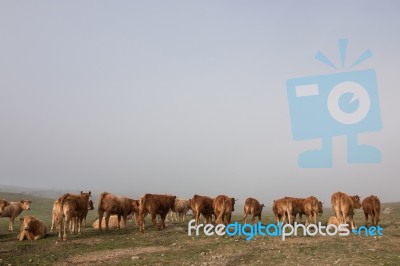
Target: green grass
point(173, 246)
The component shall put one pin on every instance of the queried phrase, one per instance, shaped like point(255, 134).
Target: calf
point(283, 210)
point(72, 206)
point(344, 206)
point(254, 208)
point(202, 205)
point(223, 207)
point(120, 206)
point(181, 207)
point(297, 207)
point(154, 204)
point(312, 207)
point(13, 210)
point(371, 206)
point(31, 228)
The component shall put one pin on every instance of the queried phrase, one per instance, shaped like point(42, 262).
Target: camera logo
point(337, 104)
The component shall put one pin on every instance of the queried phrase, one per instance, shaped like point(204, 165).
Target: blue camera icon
point(330, 105)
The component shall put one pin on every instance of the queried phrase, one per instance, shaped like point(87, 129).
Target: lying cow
point(154, 204)
point(13, 210)
point(372, 207)
point(31, 228)
point(254, 208)
point(120, 206)
point(112, 223)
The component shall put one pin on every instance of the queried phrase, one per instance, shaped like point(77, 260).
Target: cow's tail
point(101, 199)
point(142, 203)
point(61, 201)
point(220, 215)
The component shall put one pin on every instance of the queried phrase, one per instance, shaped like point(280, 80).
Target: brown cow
point(31, 228)
point(155, 204)
point(120, 206)
point(202, 205)
point(371, 206)
point(297, 206)
point(344, 206)
point(56, 213)
point(14, 209)
point(72, 206)
point(182, 206)
point(112, 223)
point(312, 207)
point(283, 210)
point(254, 208)
point(3, 204)
point(223, 207)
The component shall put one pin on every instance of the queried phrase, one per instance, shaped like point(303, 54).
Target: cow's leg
point(245, 218)
point(366, 219)
point(11, 224)
point(253, 218)
point(119, 221)
point(197, 215)
point(101, 213)
point(153, 219)
point(107, 219)
point(67, 221)
point(124, 218)
point(163, 215)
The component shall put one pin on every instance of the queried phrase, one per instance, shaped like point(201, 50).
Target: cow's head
point(90, 203)
point(86, 193)
point(3, 204)
point(26, 222)
point(356, 201)
point(25, 204)
point(320, 211)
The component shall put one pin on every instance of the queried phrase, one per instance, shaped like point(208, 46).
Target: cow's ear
point(22, 201)
point(21, 219)
point(90, 193)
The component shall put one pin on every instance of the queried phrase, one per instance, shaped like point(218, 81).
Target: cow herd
point(70, 211)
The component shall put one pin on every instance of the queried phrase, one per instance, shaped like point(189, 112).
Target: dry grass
point(173, 246)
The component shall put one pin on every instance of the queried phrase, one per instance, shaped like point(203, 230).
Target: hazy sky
point(185, 97)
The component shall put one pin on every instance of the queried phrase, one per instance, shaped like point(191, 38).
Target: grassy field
point(173, 246)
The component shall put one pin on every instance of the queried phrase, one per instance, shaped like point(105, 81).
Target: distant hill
point(35, 192)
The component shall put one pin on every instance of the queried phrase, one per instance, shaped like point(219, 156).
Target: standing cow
point(154, 204)
point(282, 209)
point(120, 206)
point(372, 207)
point(181, 207)
point(312, 207)
point(254, 208)
point(223, 207)
point(344, 206)
point(297, 205)
point(31, 228)
point(72, 206)
point(202, 205)
point(13, 210)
